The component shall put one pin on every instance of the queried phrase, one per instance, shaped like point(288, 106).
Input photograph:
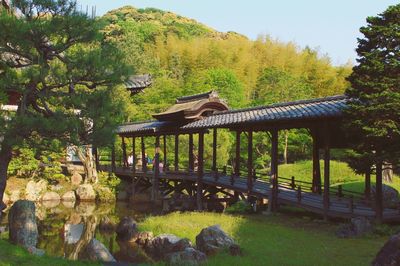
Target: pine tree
point(374, 111)
point(54, 63)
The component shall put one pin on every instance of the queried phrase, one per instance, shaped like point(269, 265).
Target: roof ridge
point(284, 104)
point(138, 122)
point(189, 98)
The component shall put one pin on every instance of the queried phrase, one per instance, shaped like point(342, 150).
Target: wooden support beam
point(165, 151)
point(326, 202)
point(274, 169)
point(191, 155)
point(237, 154)
point(156, 174)
point(143, 149)
point(367, 190)
point(133, 156)
point(316, 181)
point(124, 155)
point(214, 151)
point(378, 193)
point(200, 172)
point(250, 173)
point(176, 160)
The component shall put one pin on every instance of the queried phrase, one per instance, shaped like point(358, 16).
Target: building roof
point(137, 83)
point(193, 107)
point(321, 108)
point(314, 109)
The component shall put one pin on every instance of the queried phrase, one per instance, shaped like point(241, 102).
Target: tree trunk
point(285, 151)
point(89, 164)
point(5, 158)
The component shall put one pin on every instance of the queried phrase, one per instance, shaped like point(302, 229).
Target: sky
point(330, 26)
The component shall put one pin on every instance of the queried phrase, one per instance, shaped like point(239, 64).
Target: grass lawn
point(341, 174)
point(273, 240)
point(11, 255)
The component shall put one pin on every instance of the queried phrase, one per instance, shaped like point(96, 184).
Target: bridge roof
point(300, 111)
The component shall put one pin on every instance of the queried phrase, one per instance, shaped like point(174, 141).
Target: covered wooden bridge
point(206, 114)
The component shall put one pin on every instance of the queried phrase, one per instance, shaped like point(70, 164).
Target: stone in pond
point(22, 224)
point(86, 192)
point(126, 229)
point(96, 251)
point(189, 256)
point(164, 244)
point(213, 239)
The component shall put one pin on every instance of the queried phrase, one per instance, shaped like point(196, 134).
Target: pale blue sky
point(332, 26)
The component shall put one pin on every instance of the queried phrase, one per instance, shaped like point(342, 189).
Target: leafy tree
point(54, 59)
point(374, 112)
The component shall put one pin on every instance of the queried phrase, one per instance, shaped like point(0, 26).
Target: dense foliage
point(185, 57)
point(374, 113)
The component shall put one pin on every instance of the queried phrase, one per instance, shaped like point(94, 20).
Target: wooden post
point(156, 174)
point(165, 151)
point(124, 156)
point(237, 156)
point(144, 162)
point(200, 171)
point(214, 151)
point(133, 156)
point(367, 191)
point(96, 156)
point(191, 156)
point(274, 169)
point(176, 160)
point(113, 166)
point(316, 182)
point(326, 173)
point(378, 193)
point(293, 183)
point(250, 162)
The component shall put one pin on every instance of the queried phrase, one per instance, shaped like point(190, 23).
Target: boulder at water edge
point(189, 256)
point(164, 244)
point(126, 229)
point(51, 196)
point(22, 224)
point(69, 196)
point(213, 239)
point(96, 251)
point(34, 190)
point(389, 255)
point(86, 192)
point(76, 179)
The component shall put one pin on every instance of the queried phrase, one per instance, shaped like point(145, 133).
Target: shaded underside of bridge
point(206, 113)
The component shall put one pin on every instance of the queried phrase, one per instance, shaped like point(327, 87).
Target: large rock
point(165, 244)
point(76, 179)
point(96, 251)
point(22, 224)
point(389, 255)
point(34, 190)
point(358, 226)
point(189, 256)
point(86, 192)
point(143, 238)
point(126, 229)
point(213, 239)
point(390, 196)
point(69, 196)
point(15, 195)
point(51, 196)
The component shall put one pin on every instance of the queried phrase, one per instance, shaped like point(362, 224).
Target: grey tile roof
point(297, 110)
point(138, 82)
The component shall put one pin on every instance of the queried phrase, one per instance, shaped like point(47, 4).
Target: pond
point(65, 228)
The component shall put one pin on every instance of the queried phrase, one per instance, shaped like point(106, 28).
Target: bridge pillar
point(326, 173)
point(274, 170)
point(214, 152)
point(316, 181)
point(124, 155)
point(191, 155)
point(200, 172)
point(250, 162)
point(165, 151)
point(143, 149)
point(237, 155)
point(133, 156)
point(176, 160)
point(156, 173)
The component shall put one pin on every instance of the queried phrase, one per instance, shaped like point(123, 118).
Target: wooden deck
point(343, 207)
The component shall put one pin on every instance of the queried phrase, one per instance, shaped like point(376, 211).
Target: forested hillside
point(186, 57)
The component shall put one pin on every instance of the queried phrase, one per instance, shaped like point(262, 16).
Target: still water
point(65, 228)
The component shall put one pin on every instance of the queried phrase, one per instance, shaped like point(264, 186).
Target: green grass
point(11, 255)
point(340, 174)
point(273, 240)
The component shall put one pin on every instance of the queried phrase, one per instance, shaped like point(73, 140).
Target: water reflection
point(66, 228)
